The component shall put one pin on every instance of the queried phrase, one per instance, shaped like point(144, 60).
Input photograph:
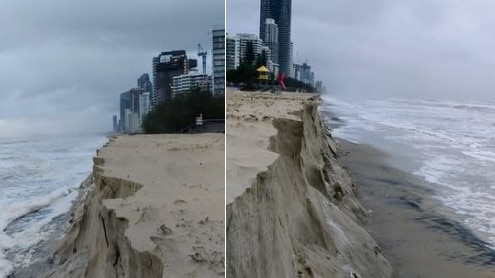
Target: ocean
point(449, 144)
point(39, 178)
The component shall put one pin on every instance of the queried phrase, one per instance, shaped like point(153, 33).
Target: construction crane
point(202, 53)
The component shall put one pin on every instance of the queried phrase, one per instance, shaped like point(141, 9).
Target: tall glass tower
point(280, 11)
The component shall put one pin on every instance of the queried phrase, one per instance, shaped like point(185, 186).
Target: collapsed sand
point(156, 210)
point(291, 208)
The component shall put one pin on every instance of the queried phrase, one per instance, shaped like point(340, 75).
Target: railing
point(205, 122)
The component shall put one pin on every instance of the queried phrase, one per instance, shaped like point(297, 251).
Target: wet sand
point(416, 233)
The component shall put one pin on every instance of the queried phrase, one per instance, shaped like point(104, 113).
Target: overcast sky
point(63, 64)
point(430, 49)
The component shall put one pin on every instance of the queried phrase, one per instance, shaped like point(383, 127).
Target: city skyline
point(281, 12)
point(52, 54)
point(173, 73)
point(407, 49)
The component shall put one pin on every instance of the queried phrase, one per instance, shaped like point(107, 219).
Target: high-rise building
point(133, 105)
point(115, 125)
point(183, 84)
point(244, 41)
point(218, 37)
point(305, 73)
point(144, 83)
point(165, 67)
point(232, 52)
point(265, 50)
point(125, 103)
point(271, 38)
point(319, 86)
point(291, 60)
point(296, 72)
point(131, 121)
point(237, 48)
point(135, 94)
point(280, 11)
point(144, 105)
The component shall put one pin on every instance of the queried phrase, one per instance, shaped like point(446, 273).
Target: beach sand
point(157, 210)
point(249, 127)
point(291, 210)
point(417, 234)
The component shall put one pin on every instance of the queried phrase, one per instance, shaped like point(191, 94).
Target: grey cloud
point(62, 60)
point(439, 49)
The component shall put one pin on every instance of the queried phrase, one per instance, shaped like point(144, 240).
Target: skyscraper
point(135, 94)
point(237, 49)
point(280, 11)
point(144, 83)
point(271, 38)
point(183, 84)
point(246, 39)
point(144, 105)
point(306, 73)
point(165, 67)
point(115, 125)
point(125, 103)
point(232, 58)
point(218, 37)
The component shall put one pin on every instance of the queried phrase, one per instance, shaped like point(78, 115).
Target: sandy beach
point(249, 126)
point(156, 210)
point(291, 209)
point(416, 233)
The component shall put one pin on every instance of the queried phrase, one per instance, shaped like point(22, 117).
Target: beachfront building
point(244, 40)
point(232, 55)
point(218, 37)
point(165, 66)
point(271, 38)
point(306, 75)
point(144, 83)
point(238, 46)
point(266, 51)
point(291, 56)
point(135, 104)
point(115, 123)
point(319, 86)
point(144, 106)
point(280, 12)
point(237, 49)
point(125, 103)
point(131, 121)
point(183, 84)
point(296, 69)
point(135, 94)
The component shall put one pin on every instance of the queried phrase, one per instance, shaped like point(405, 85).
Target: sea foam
point(39, 178)
point(452, 142)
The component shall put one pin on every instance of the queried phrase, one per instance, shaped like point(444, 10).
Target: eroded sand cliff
point(154, 208)
point(291, 208)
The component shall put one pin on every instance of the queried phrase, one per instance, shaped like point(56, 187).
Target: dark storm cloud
point(442, 49)
point(64, 63)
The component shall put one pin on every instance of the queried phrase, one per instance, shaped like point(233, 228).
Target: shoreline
point(44, 250)
point(416, 232)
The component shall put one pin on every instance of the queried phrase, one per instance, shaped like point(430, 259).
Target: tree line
point(180, 111)
point(246, 72)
